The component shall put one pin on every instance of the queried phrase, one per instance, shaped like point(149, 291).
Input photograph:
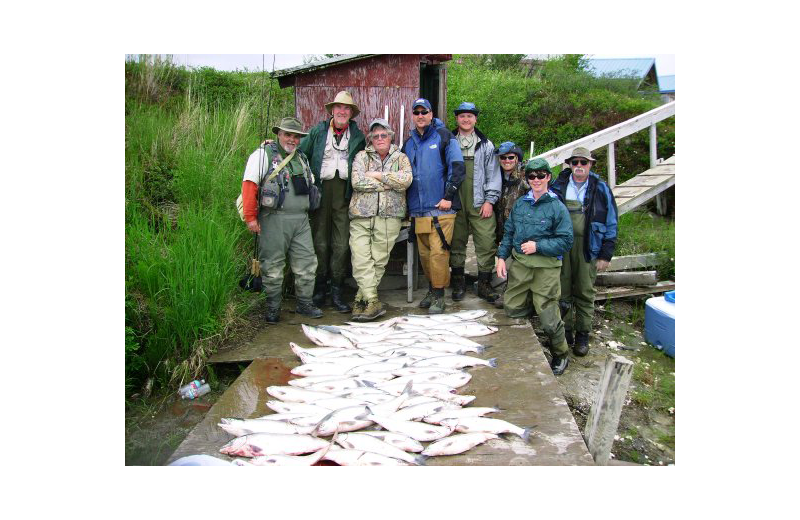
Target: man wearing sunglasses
point(537, 234)
point(478, 193)
point(438, 171)
point(593, 212)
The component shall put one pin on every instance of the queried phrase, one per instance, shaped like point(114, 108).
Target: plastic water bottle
point(197, 392)
point(192, 390)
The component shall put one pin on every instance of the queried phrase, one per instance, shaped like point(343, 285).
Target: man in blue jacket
point(593, 211)
point(438, 169)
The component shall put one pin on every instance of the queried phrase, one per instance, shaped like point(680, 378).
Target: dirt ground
point(646, 435)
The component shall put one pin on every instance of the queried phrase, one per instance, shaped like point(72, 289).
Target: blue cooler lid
point(670, 296)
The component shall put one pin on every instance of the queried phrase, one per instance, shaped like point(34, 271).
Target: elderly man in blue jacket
point(438, 169)
point(593, 212)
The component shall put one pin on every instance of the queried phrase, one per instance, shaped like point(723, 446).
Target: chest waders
point(577, 277)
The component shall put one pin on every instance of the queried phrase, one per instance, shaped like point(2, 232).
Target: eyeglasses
point(420, 112)
point(535, 175)
point(582, 162)
point(507, 157)
point(380, 136)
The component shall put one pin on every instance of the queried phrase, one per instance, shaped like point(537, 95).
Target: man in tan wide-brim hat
point(277, 193)
point(331, 147)
point(593, 212)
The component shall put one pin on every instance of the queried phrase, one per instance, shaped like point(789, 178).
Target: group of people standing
point(317, 195)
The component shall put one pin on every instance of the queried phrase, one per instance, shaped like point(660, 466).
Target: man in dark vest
point(331, 147)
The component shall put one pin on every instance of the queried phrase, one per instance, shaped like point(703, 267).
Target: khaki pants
point(330, 226)
point(434, 258)
point(283, 233)
point(371, 242)
point(540, 286)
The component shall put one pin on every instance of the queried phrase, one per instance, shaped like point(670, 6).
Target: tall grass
point(186, 145)
point(642, 232)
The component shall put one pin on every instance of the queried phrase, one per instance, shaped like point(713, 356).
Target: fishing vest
point(334, 156)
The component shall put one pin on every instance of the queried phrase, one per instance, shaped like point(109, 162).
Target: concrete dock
point(522, 385)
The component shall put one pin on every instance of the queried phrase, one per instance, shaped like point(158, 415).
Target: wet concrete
point(522, 385)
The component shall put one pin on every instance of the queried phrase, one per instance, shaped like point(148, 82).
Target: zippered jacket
point(546, 222)
point(487, 181)
point(434, 179)
point(600, 209)
point(313, 145)
point(373, 198)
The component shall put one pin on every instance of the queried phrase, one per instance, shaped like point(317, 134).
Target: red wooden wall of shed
point(374, 83)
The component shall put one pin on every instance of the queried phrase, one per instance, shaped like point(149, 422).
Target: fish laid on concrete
point(359, 441)
point(240, 427)
point(289, 460)
point(417, 412)
point(485, 424)
point(290, 407)
point(418, 431)
point(404, 442)
point(325, 338)
point(467, 329)
point(455, 361)
point(458, 443)
point(272, 444)
point(296, 395)
point(459, 413)
point(348, 457)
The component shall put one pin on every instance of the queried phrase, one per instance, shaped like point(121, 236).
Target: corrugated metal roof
point(666, 84)
point(631, 67)
point(327, 62)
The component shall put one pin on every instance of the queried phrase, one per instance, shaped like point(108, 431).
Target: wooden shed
point(376, 81)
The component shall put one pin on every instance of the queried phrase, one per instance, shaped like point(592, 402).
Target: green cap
point(537, 165)
point(290, 124)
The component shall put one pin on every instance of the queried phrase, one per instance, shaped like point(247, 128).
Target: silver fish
point(418, 431)
point(417, 412)
point(272, 443)
point(240, 427)
point(359, 441)
point(296, 395)
point(467, 329)
point(458, 413)
point(348, 457)
point(458, 443)
point(485, 424)
point(398, 440)
point(291, 407)
point(454, 361)
point(289, 460)
point(325, 338)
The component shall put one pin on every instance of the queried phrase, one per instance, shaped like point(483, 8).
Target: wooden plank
point(604, 137)
point(610, 293)
point(630, 191)
point(644, 181)
point(637, 278)
point(622, 263)
point(638, 200)
point(603, 419)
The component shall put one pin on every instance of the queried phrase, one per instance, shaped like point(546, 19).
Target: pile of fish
point(380, 390)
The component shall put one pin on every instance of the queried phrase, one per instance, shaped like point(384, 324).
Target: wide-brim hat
point(343, 98)
point(581, 152)
point(290, 124)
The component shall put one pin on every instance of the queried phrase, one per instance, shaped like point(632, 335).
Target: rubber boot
point(568, 335)
point(559, 364)
point(358, 309)
point(273, 314)
point(319, 294)
point(336, 299)
point(458, 283)
point(485, 289)
point(437, 302)
point(581, 347)
point(308, 309)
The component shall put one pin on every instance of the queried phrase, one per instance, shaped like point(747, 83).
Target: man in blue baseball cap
point(438, 170)
point(478, 193)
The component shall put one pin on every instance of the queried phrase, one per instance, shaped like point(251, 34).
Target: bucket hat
point(509, 147)
point(343, 98)
point(538, 165)
point(581, 152)
point(466, 106)
point(290, 124)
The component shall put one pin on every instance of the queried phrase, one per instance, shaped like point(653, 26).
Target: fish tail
point(493, 362)
point(480, 350)
point(526, 434)
point(420, 460)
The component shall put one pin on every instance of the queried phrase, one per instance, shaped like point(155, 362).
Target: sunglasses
point(507, 157)
point(380, 136)
point(582, 162)
point(420, 112)
point(535, 175)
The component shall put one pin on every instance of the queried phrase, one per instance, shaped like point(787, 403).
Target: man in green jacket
point(331, 147)
point(538, 233)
